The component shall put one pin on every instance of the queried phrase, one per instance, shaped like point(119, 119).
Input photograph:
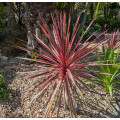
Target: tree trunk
point(84, 18)
point(82, 23)
point(19, 6)
point(11, 15)
point(70, 9)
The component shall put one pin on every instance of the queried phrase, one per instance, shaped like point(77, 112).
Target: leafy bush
point(32, 55)
point(3, 89)
point(93, 28)
point(110, 57)
point(3, 15)
point(63, 62)
point(110, 20)
point(60, 5)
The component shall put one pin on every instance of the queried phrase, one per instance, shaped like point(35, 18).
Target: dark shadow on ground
point(13, 104)
point(116, 105)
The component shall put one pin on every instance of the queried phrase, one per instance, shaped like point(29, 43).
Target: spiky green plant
point(64, 63)
point(110, 56)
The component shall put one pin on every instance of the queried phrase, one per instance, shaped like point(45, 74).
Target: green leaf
point(111, 91)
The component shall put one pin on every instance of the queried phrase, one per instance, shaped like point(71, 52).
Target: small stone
point(40, 110)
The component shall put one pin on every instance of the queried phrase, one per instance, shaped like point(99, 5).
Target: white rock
point(3, 59)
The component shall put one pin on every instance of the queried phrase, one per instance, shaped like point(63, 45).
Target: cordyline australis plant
point(64, 63)
point(110, 56)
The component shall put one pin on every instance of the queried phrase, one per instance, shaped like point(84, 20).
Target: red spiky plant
point(64, 63)
point(113, 40)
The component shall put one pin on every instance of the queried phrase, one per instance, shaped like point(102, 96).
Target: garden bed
point(15, 106)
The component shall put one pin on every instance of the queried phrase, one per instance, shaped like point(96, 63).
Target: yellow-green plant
point(32, 55)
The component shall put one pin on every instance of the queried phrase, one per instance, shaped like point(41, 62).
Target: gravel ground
point(15, 106)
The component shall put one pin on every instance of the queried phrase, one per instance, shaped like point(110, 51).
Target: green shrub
point(93, 28)
point(3, 88)
point(60, 5)
point(3, 15)
point(110, 20)
point(32, 55)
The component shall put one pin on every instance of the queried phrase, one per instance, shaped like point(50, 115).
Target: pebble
point(40, 110)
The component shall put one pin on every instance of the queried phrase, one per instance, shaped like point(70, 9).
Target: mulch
point(15, 105)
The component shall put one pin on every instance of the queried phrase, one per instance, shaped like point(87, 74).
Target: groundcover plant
point(65, 63)
point(3, 88)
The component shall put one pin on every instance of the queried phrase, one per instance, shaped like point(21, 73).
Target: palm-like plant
point(64, 63)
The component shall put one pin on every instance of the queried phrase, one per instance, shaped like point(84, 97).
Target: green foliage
point(100, 6)
point(97, 8)
point(93, 28)
point(106, 14)
point(3, 15)
point(3, 89)
point(80, 6)
point(60, 5)
point(32, 55)
point(110, 19)
point(110, 56)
